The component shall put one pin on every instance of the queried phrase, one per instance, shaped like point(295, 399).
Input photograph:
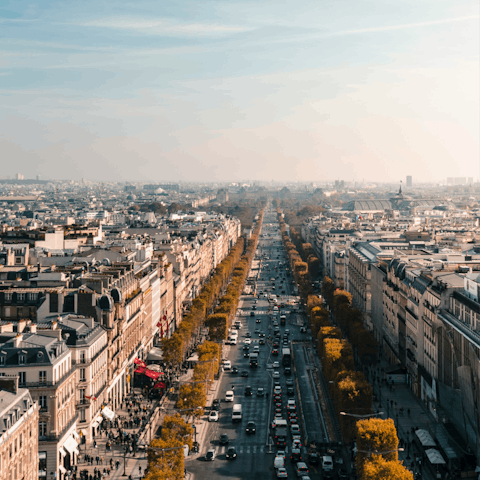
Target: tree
point(375, 437)
point(165, 460)
point(217, 326)
point(377, 468)
point(328, 288)
point(176, 428)
point(172, 349)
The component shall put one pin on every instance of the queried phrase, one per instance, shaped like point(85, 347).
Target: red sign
point(137, 361)
point(159, 385)
point(152, 374)
point(159, 324)
point(140, 369)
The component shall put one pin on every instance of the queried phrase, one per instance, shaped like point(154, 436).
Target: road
point(253, 457)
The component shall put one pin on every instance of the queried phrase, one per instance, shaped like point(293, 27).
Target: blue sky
point(228, 91)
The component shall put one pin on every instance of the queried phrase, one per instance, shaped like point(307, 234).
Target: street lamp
point(368, 415)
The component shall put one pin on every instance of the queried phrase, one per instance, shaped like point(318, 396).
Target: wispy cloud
point(403, 26)
point(164, 27)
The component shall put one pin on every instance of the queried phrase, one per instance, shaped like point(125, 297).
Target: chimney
point(33, 328)
point(17, 340)
point(10, 383)
point(21, 325)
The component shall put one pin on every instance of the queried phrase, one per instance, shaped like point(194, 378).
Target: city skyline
point(183, 92)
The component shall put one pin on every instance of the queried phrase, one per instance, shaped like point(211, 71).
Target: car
point(281, 453)
point(275, 351)
point(248, 341)
point(276, 364)
point(275, 324)
point(277, 389)
point(296, 444)
point(287, 371)
point(248, 335)
point(258, 320)
point(292, 415)
point(282, 472)
point(251, 427)
point(303, 329)
point(257, 330)
point(279, 416)
point(296, 437)
point(229, 396)
point(342, 474)
point(246, 355)
point(260, 392)
point(210, 456)
point(254, 307)
point(213, 416)
point(293, 421)
point(301, 470)
point(276, 344)
point(244, 373)
point(295, 429)
point(296, 455)
point(261, 334)
point(276, 374)
point(223, 439)
point(231, 453)
point(278, 409)
point(286, 332)
point(248, 391)
point(216, 404)
point(234, 370)
point(246, 348)
point(261, 341)
point(289, 382)
point(292, 404)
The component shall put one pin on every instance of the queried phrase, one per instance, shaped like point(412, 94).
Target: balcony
point(56, 438)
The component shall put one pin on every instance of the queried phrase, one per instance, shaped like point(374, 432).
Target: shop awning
point(62, 469)
point(76, 435)
point(425, 438)
point(108, 413)
point(435, 457)
point(71, 445)
point(193, 358)
point(62, 451)
point(155, 354)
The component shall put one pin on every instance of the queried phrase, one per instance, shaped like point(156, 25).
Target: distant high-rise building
point(409, 181)
point(19, 176)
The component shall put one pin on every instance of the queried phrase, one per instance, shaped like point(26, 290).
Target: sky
point(160, 91)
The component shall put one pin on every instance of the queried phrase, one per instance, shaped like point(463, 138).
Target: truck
point(237, 413)
point(281, 436)
point(286, 357)
point(254, 360)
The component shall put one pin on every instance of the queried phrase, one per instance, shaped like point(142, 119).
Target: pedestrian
point(140, 470)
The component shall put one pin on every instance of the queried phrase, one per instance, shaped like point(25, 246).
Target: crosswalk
point(245, 449)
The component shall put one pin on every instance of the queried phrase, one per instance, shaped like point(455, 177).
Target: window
point(42, 376)
point(2, 359)
point(22, 358)
point(8, 297)
point(82, 374)
point(42, 429)
point(21, 440)
point(20, 297)
point(82, 415)
point(82, 356)
point(42, 461)
point(82, 395)
point(42, 401)
point(22, 378)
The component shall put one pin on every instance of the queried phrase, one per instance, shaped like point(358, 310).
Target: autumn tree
point(375, 437)
point(377, 468)
point(328, 288)
point(165, 460)
point(175, 427)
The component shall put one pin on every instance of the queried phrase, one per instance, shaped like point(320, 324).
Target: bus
point(286, 357)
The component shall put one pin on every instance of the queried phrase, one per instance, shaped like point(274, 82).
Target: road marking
point(254, 449)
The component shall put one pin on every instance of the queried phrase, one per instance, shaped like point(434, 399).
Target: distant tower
point(409, 181)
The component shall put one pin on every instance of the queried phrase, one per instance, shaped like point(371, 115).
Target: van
point(237, 413)
point(227, 365)
point(256, 349)
point(232, 340)
point(229, 396)
point(327, 463)
point(279, 422)
point(279, 462)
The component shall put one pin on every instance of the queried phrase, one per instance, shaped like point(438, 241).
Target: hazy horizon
point(213, 91)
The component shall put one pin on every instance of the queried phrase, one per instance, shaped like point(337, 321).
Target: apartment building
point(19, 455)
point(44, 366)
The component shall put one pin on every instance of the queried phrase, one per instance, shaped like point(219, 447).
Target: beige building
point(19, 457)
point(44, 366)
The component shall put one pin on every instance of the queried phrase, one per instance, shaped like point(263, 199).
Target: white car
point(276, 375)
point(276, 364)
point(248, 341)
point(213, 417)
point(229, 396)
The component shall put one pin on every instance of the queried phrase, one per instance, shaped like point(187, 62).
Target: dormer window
point(39, 357)
point(22, 359)
point(3, 359)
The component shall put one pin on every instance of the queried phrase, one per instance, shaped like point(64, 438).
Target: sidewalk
point(407, 423)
